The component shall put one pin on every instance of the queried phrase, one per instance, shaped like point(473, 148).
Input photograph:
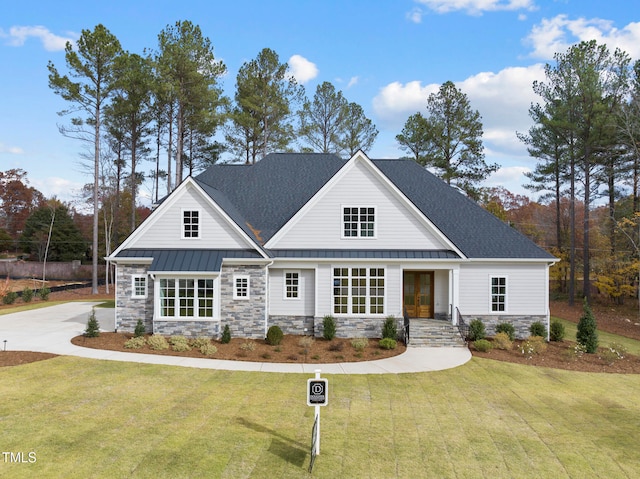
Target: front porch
point(424, 332)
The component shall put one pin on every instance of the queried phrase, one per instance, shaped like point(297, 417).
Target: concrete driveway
point(50, 330)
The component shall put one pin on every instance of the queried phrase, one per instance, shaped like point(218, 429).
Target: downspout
point(266, 297)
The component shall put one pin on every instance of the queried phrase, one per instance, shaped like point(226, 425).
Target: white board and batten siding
point(320, 224)
point(165, 231)
point(526, 285)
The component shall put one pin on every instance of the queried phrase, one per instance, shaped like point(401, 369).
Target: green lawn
point(604, 339)
point(85, 418)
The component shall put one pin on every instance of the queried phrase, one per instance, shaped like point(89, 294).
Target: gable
point(164, 228)
point(320, 223)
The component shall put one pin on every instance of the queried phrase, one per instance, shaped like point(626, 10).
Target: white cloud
point(18, 35)
point(557, 34)
point(353, 81)
point(415, 15)
point(395, 102)
point(13, 150)
point(61, 188)
point(302, 69)
point(510, 177)
point(477, 7)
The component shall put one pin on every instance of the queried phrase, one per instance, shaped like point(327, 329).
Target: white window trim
point(367, 312)
point(158, 300)
point(235, 286)
point(182, 225)
point(133, 286)
point(298, 297)
point(358, 237)
point(506, 294)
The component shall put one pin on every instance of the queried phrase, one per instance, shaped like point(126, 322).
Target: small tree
point(140, 329)
point(93, 327)
point(587, 334)
point(328, 327)
point(390, 328)
point(226, 335)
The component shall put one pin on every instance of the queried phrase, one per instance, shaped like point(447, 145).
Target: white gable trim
point(342, 172)
point(169, 203)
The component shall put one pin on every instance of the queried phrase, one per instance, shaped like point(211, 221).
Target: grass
point(604, 338)
point(88, 418)
point(104, 303)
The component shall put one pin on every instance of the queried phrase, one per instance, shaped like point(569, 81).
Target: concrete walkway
point(50, 330)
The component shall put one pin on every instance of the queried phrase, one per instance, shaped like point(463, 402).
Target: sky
point(387, 56)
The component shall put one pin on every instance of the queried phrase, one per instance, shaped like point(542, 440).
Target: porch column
point(454, 288)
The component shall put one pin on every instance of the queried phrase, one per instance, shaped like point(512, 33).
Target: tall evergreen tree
point(93, 65)
point(359, 131)
point(322, 120)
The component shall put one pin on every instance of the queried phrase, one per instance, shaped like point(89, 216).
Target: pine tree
point(587, 334)
point(93, 327)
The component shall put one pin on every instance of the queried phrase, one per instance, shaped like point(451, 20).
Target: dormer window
point(359, 222)
point(190, 224)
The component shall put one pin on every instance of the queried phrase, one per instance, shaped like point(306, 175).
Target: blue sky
point(387, 56)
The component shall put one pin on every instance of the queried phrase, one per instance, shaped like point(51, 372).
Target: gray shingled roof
point(261, 198)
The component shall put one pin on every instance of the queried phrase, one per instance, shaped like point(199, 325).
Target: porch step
point(434, 333)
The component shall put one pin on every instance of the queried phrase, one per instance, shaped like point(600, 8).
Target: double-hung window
point(138, 286)
point(358, 291)
point(190, 224)
point(498, 293)
point(291, 284)
point(241, 287)
point(186, 297)
point(358, 222)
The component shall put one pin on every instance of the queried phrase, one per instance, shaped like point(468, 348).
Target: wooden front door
point(418, 293)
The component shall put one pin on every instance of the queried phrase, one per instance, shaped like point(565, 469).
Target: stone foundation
point(520, 323)
point(245, 317)
point(298, 325)
point(355, 327)
point(191, 329)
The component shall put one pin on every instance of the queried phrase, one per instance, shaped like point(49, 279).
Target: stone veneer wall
point(520, 323)
point(355, 327)
point(245, 317)
point(188, 328)
point(298, 325)
point(129, 309)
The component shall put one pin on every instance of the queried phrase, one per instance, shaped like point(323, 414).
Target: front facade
point(297, 237)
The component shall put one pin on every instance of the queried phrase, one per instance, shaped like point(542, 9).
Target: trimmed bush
point(135, 343)
point(482, 345)
point(538, 329)
point(140, 329)
point(199, 342)
point(274, 335)
point(587, 334)
point(248, 346)
point(508, 329)
point(390, 328)
point(10, 297)
point(179, 343)
point(556, 331)
point(502, 341)
point(208, 349)
point(328, 327)
point(27, 295)
point(93, 327)
point(476, 330)
point(388, 343)
point(533, 345)
point(359, 343)
point(157, 342)
point(226, 335)
point(44, 293)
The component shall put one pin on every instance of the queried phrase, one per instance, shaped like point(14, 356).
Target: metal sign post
point(317, 395)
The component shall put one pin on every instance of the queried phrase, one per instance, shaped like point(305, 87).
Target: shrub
point(359, 343)
point(27, 295)
point(613, 353)
point(10, 297)
point(533, 345)
point(390, 328)
point(538, 329)
point(556, 331)
point(93, 327)
point(208, 349)
point(140, 329)
point(274, 335)
point(199, 342)
point(388, 343)
point(339, 346)
point(248, 346)
point(587, 334)
point(179, 343)
point(482, 345)
point(135, 343)
point(44, 293)
point(508, 329)
point(306, 342)
point(502, 341)
point(226, 335)
point(476, 330)
point(329, 327)
point(157, 342)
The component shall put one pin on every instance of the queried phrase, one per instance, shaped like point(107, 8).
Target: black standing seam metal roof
point(187, 260)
